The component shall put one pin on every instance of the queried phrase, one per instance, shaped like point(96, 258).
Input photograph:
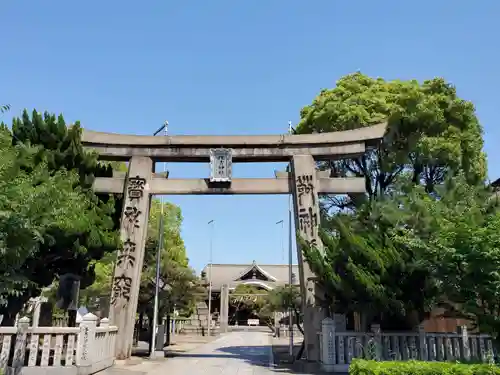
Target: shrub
point(364, 367)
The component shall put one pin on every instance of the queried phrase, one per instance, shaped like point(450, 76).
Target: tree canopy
point(33, 206)
point(418, 237)
point(69, 246)
point(431, 132)
point(178, 283)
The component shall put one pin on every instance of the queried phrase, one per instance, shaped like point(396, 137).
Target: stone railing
point(82, 350)
point(339, 348)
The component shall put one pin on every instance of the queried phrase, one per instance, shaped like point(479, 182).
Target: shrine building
point(261, 276)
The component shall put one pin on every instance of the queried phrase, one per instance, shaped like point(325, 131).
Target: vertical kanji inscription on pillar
point(307, 219)
point(128, 267)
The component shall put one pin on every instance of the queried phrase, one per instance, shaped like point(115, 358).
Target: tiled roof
point(230, 273)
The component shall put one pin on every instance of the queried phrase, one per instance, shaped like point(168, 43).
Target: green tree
point(370, 265)
point(377, 252)
point(248, 297)
point(178, 283)
point(431, 132)
point(281, 299)
point(100, 289)
point(467, 243)
point(172, 240)
point(179, 288)
point(64, 249)
point(415, 252)
point(177, 279)
point(34, 207)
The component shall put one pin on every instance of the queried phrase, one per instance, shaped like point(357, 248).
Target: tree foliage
point(431, 132)
point(172, 240)
point(417, 239)
point(178, 282)
point(280, 300)
point(374, 261)
point(248, 297)
point(467, 244)
point(178, 285)
point(71, 246)
point(414, 252)
point(32, 206)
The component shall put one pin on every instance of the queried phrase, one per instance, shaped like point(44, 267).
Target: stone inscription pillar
point(128, 267)
point(224, 308)
point(307, 220)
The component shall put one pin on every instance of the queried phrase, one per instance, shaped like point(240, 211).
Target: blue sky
point(235, 67)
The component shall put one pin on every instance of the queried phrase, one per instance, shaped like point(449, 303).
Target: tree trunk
point(13, 307)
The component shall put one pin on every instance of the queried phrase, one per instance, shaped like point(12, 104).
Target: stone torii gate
point(304, 182)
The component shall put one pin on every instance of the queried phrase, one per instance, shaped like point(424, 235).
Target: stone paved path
point(236, 353)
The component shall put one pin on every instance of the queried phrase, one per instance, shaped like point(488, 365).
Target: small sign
point(221, 162)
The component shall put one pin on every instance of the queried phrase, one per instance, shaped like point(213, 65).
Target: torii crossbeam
point(304, 182)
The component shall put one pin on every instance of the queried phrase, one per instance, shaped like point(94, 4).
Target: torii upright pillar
point(305, 188)
point(128, 267)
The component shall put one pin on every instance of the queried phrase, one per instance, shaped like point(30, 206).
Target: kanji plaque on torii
point(220, 165)
point(304, 182)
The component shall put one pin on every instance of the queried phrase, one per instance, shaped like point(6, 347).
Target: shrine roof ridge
point(249, 264)
point(365, 134)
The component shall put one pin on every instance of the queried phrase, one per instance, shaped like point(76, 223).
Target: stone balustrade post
point(327, 347)
point(377, 342)
point(422, 344)
point(108, 347)
point(464, 343)
point(23, 325)
point(85, 343)
point(104, 323)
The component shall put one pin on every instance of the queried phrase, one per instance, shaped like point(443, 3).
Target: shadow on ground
point(259, 356)
point(284, 363)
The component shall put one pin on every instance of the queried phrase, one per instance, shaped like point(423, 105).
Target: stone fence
point(82, 350)
point(339, 348)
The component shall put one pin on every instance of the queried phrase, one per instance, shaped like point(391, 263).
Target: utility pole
point(290, 256)
point(210, 261)
point(282, 238)
point(161, 229)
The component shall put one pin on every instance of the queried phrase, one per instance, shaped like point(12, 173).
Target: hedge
point(364, 367)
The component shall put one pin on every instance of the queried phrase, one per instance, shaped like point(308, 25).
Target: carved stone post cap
point(89, 317)
point(104, 322)
point(24, 320)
